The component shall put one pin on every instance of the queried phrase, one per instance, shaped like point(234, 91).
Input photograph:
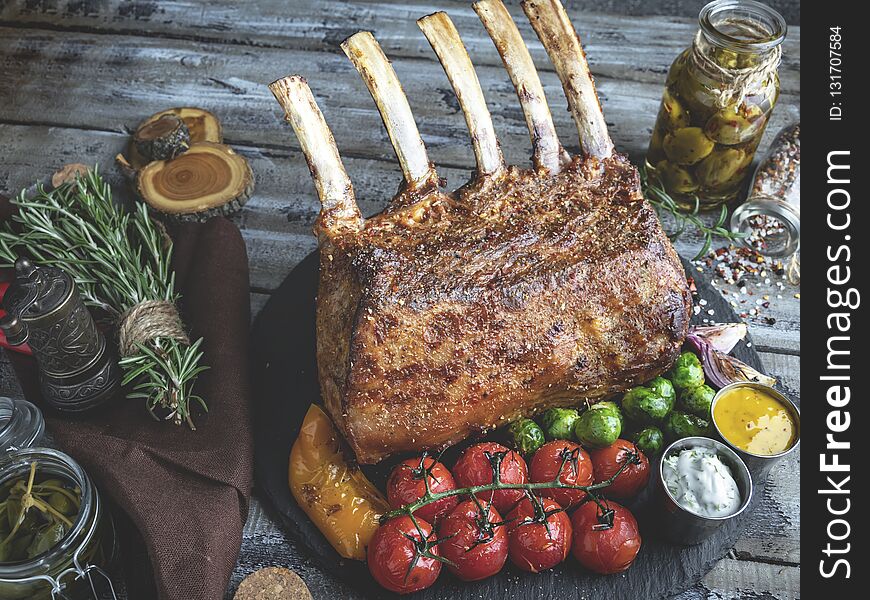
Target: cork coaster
point(273, 583)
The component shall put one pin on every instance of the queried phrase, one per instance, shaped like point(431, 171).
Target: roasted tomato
point(539, 534)
point(474, 540)
point(474, 468)
point(606, 538)
point(607, 461)
point(400, 555)
point(332, 490)
point(407, 484)
point(576, 469)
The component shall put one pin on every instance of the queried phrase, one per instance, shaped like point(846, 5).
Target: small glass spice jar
point(718, 97)
point(21, 425)
point(770, 219)
point(74, 567)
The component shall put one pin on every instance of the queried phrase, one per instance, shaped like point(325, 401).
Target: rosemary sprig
point(117, 259)
point(663, 203)
point(495, 462)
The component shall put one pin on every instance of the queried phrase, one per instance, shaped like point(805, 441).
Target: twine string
point(148, 321)
point(735, 82)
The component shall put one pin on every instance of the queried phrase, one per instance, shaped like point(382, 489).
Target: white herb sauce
point(700, 482)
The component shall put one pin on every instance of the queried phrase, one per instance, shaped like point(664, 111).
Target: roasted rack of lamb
point(451, 313)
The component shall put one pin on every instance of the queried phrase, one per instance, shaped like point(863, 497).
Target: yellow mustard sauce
point(754, 421)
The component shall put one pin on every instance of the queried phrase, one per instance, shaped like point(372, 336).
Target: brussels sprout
point(680, 425)
point(650, 440)
point(674, 115)
point(675, 178)
point(687, 372)
point(735, 124)
point(598, 427)
point(525, 435)
point(663, 388)
point(646, 406)
point(609, 406)
point(720, 167)
point(697, 400)
point(687, 146)
point(558, 423)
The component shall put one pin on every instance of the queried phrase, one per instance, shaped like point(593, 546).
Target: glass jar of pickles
point(56, 536)
point(21, 424)
point(717, 100)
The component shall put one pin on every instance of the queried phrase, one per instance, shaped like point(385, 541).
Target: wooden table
point(75, 77)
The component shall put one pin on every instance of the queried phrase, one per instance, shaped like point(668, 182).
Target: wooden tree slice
point(202, 125)
point(209, 179)
point(162, 138)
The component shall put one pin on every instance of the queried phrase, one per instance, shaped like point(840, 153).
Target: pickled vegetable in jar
point(56, 536)
point(718, 97)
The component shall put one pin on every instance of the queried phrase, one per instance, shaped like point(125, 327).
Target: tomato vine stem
point(497, 484)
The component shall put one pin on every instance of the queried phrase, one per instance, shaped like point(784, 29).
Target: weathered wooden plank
point(613, 43)
point(231, 81)
point(740, 580)
point(277, 221)
point(628, 55)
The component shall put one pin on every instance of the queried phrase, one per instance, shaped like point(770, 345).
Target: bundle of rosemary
point(120, 262)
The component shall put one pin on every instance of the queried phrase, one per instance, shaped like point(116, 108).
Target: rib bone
point(445, 40)
point(367, 56)
point(548, 152)
point(560, 40)
point(334, 187)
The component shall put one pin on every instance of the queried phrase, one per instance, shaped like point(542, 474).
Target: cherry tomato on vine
point(474, 540)
point(607, 461)
point(406, 484)
point(539, 534)
point(400, 558)
point(606, 540)
point(576, 469)
point(474, 468)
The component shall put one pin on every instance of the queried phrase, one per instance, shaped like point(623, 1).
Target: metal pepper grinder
point(77, 371)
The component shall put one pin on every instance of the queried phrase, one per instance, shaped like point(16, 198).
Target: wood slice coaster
point(209, 179)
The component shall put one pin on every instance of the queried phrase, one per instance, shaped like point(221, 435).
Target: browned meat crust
point(453, 314)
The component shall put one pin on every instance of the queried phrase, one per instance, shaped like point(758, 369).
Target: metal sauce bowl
point(679, 524)
point(759, 464)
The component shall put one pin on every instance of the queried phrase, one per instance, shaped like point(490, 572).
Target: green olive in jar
point(695, 96)
point(735, 124)
point(687, 146)
point(656, 152)
point(720, 167)
point(676, 178)
point(677, 68)
point(675, 114)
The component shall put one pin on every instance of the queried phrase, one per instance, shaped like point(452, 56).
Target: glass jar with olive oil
point(56, 537)
point(717, 100)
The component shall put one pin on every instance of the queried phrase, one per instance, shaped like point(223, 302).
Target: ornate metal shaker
point(77, 370)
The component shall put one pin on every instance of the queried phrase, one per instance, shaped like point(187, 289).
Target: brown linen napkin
point(185, 491)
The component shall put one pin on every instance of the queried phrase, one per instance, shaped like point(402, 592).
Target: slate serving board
point(285, 383)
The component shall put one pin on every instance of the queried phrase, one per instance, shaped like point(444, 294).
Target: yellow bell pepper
point(334, 494)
